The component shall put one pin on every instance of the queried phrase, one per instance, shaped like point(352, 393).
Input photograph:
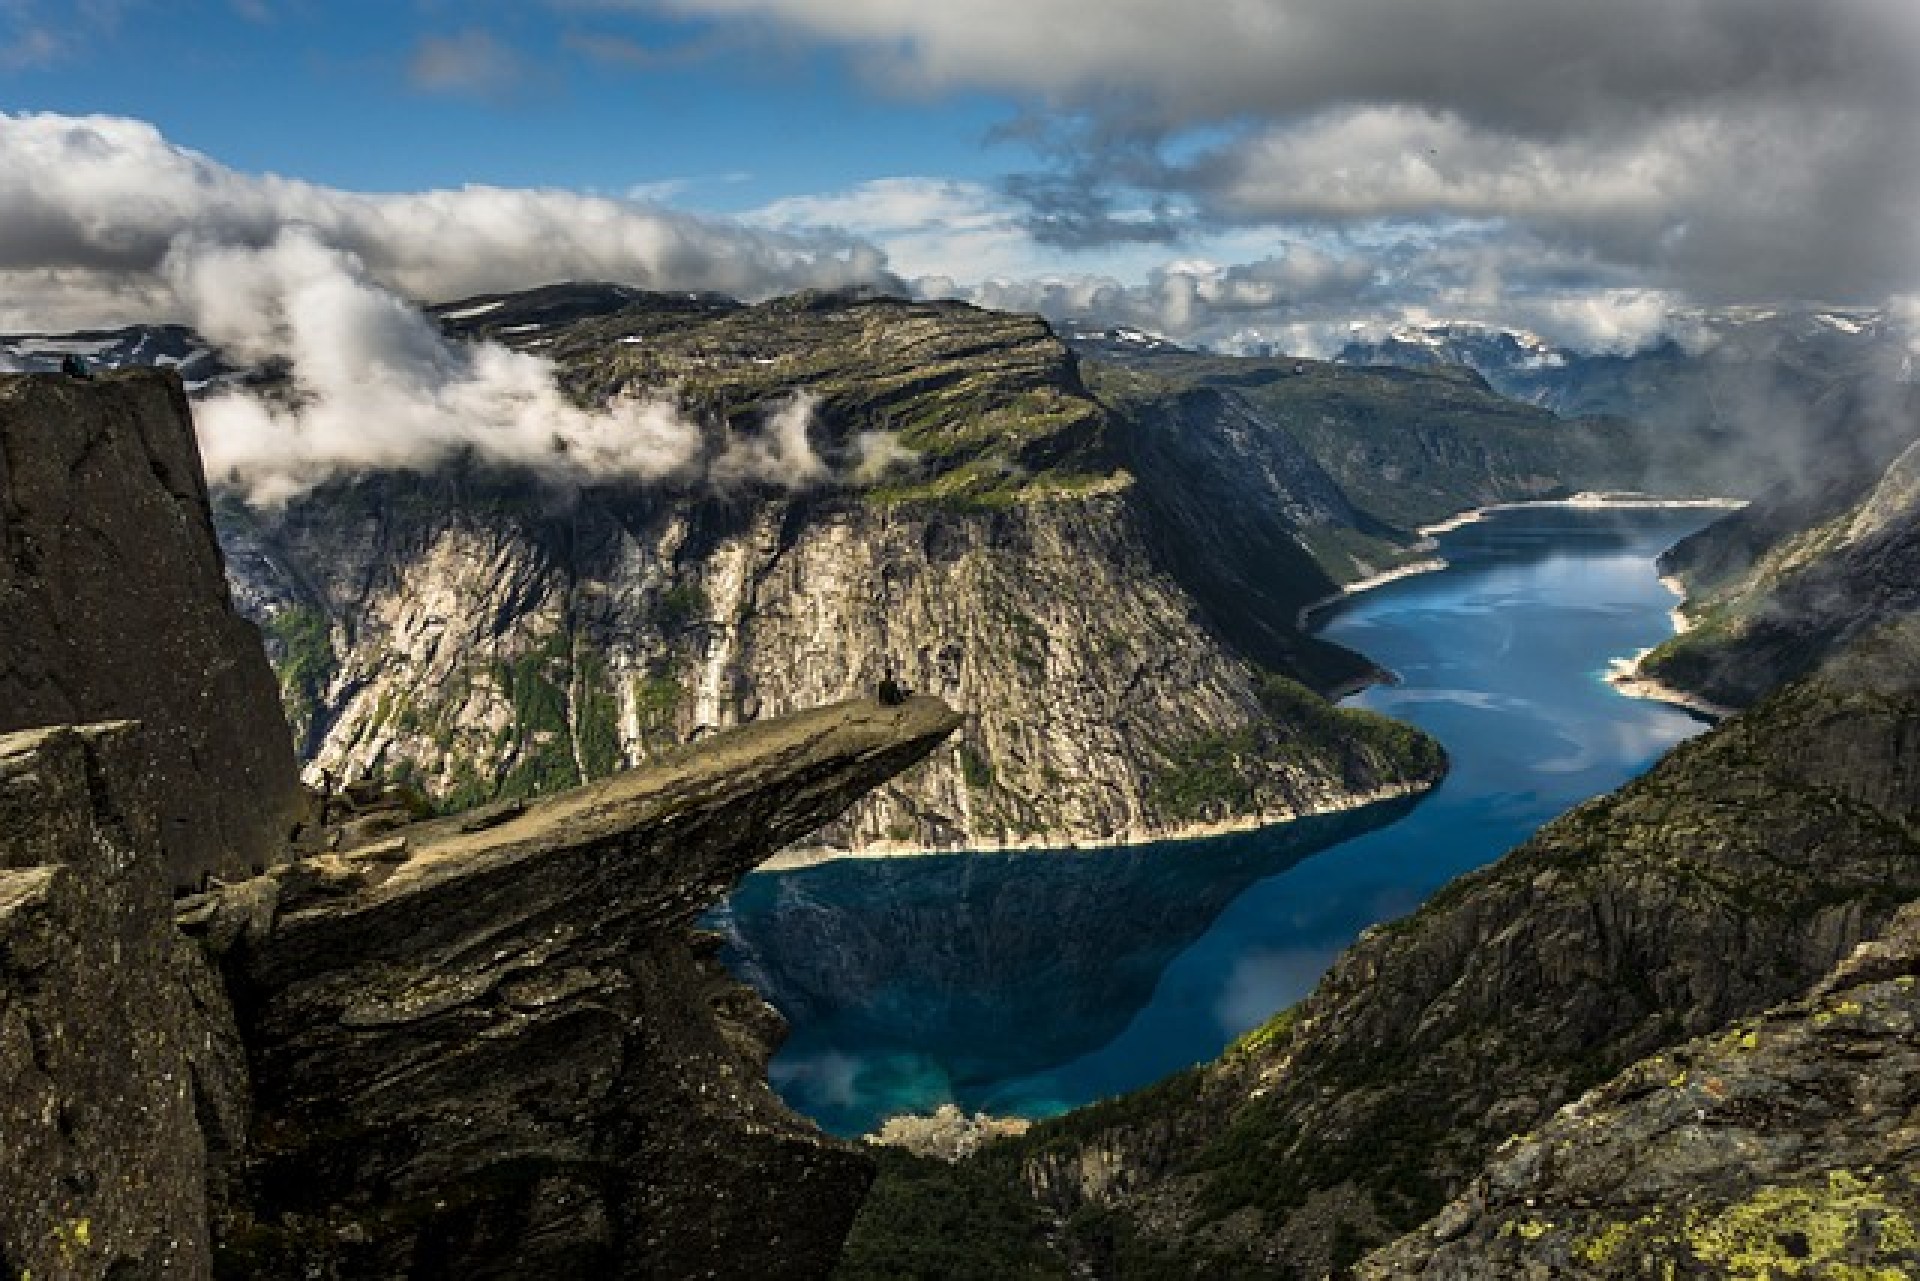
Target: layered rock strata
point(491, 1047)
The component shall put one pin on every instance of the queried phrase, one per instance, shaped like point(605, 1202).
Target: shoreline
point(1624, 679)
point(1624, 675)
point(1590, 500)
point(796, 858)
point(1429, 565)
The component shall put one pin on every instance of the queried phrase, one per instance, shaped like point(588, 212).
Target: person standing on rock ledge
point(890, 692)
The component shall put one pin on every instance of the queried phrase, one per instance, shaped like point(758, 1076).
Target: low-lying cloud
point(101, 220)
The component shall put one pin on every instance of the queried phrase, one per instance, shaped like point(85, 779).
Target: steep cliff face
point(1731, 877)
point(1407, 447)
point(1774, 589)
point(122, 1078)
point(490, 1048)
point(485, 635)
point(114, 604)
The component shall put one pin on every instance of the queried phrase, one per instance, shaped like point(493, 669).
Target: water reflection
point(953, 973)
point(1028, 983)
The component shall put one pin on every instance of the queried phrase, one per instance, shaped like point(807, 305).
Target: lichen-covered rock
point(1784, 1146)
point(114, 605)
point(122, 1081)
point(499, 1053)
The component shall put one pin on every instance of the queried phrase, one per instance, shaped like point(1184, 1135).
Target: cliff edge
point(114, 605)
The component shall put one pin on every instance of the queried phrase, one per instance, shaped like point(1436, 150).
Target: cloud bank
point(1733, 150)
point(90, 207)
point(103, 220)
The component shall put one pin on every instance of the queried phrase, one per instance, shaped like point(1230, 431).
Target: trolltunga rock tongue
point(500, 1052)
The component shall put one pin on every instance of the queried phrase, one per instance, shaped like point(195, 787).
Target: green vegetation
point(926, 1220)
point(535, 684)
point(597, 716)
point(975, 769)
point(1222, 775)
point(681, 604)
point(300, 643)
point(656, 701)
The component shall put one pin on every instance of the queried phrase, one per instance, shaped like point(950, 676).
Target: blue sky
point(397, 97)
point(1231, 171)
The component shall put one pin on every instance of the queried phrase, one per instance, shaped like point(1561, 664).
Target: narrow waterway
point(1030, 983)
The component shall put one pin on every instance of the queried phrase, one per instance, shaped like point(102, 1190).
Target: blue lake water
point(1029, 983)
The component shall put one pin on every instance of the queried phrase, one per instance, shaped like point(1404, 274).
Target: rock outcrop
point(496, 1050)
point(493, 1047)
point(1783, 1146)
point(114, 605)
point(122, 1078)
point(1774, 589)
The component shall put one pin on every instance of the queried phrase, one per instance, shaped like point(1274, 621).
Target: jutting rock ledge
point(489, 1047)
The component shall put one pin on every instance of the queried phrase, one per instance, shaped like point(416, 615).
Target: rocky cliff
point(122, 1078)
point(1783, 1146)
point(1775, 588)
point(979, 525)
point(489, 1047)
point(1730, 878)
point(114, 604)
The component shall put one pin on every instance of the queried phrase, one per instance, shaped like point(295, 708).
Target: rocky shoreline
point(797, 857)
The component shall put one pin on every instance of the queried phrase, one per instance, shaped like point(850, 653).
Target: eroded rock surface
point(1784, 1146)
point(122, 1080)
point(114, 605)
point(502, 1053)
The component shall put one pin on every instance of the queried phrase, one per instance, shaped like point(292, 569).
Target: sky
point(1224, 172)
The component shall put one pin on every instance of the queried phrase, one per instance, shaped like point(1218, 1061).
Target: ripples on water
point(1030, 983)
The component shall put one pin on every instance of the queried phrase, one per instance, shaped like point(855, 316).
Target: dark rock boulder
point(114, 605)
point(502, 1053)
point(116, 1044)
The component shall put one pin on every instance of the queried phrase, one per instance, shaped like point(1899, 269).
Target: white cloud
point(104, 216)
point(91, 206)
point(926, 225)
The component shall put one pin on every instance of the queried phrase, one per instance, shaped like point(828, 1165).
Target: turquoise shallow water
point(1030, 983)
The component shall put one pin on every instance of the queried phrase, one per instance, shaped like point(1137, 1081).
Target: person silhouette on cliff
point(890, 693)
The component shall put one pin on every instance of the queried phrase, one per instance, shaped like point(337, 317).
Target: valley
point(1028, 984)
point(1125, 571)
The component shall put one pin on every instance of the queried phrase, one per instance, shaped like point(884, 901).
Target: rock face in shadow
point(1785, 1146)
point(114, 605)
point(119, 1064)
point(502, 1053)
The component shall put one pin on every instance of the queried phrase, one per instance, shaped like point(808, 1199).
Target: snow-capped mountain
point(161, 346)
